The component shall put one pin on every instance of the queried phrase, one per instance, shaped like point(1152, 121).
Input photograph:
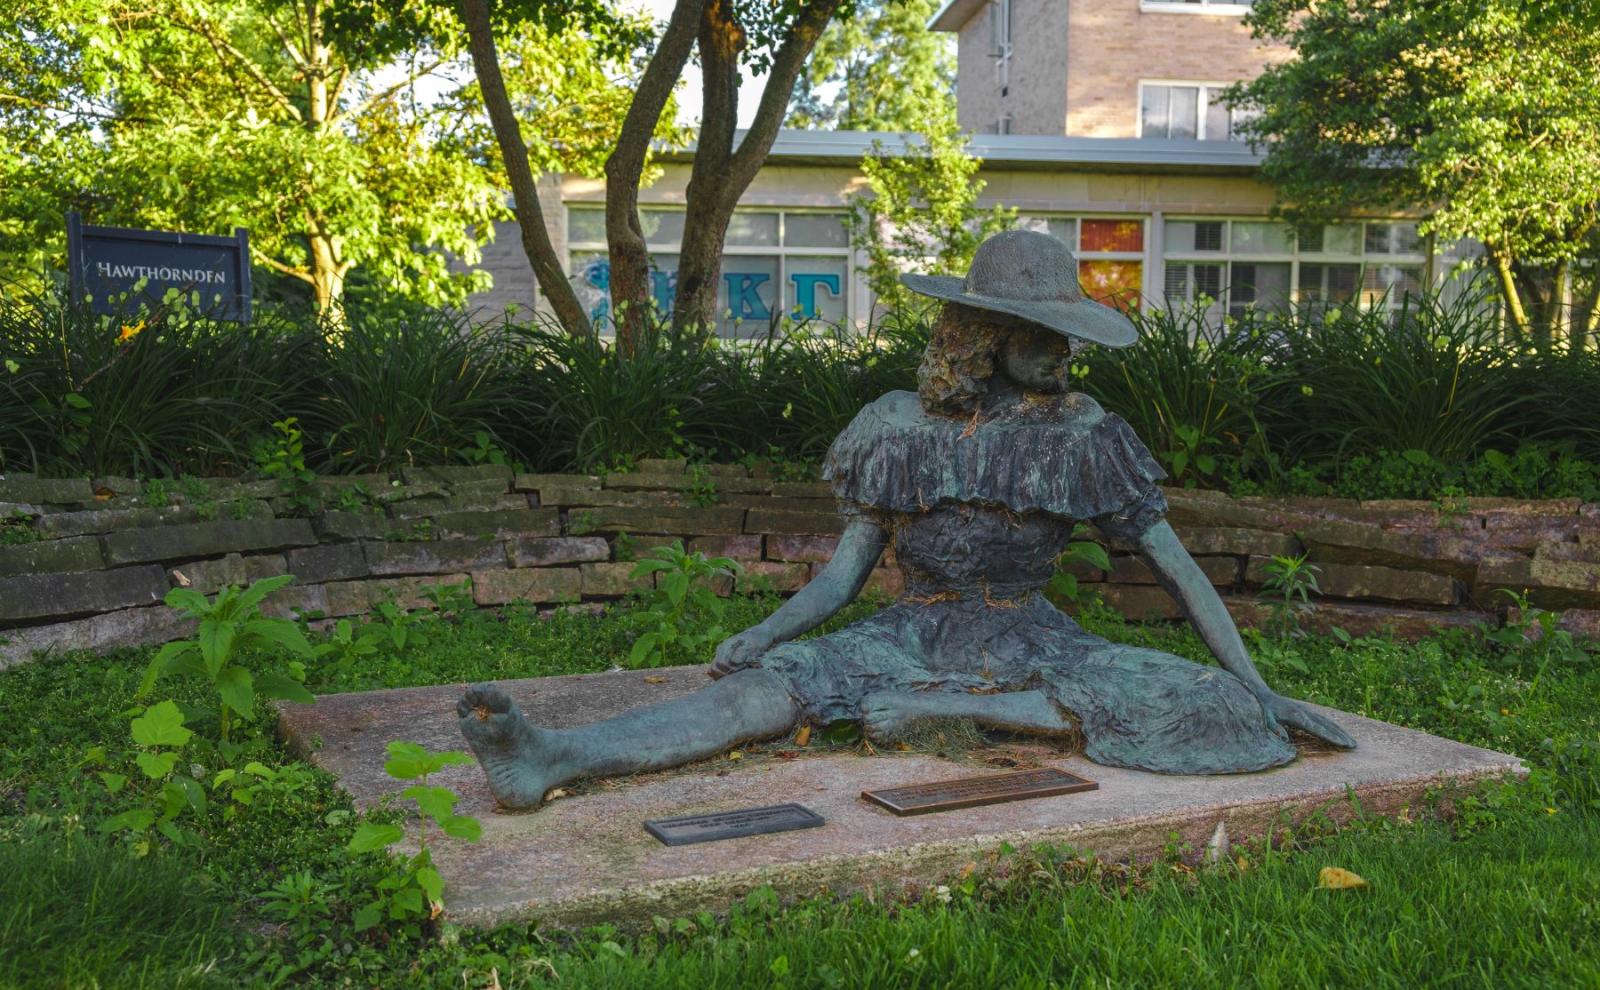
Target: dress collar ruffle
point(1080, 463)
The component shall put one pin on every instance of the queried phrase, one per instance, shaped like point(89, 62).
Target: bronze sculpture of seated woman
point(977, 480)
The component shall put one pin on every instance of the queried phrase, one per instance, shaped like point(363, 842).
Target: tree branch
point(288, 46)
point(536, 243)
point(279, 266)
point(629, 257)
point(786, 65)
point(374, 99)
point(226, 50)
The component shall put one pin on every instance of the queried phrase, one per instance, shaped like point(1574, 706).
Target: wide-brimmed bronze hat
point(1032, 275)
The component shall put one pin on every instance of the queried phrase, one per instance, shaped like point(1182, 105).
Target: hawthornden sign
point(117, 268)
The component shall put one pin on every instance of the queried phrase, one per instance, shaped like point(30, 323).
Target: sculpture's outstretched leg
point(523, 761)
point(888, 714)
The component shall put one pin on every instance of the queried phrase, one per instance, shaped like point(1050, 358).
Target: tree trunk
point(1591, 320)
point(547, 267)
point(721, 174)
point(709, 211)
point(1508, 290)
point(327, 268)
point(1556, 310)
point(630, 259)
point(327, 276)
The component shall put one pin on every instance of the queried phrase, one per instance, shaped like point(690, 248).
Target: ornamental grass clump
point(140, 394)
point(416, 389)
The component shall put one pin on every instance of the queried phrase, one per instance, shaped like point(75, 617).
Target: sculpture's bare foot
point(521, 760)
point(886, 715)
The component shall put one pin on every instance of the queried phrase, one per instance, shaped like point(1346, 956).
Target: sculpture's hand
point(1290, 712)
point(740, 651)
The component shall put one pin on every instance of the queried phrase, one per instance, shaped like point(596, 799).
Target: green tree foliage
point(922, 211)
point(1486, 109)
point(338, 149)
point(877, 71)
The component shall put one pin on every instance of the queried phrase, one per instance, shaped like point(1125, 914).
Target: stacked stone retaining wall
point(84, 564)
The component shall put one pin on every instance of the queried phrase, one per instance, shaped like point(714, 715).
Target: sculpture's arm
point(824, 595)
point(1182, 578)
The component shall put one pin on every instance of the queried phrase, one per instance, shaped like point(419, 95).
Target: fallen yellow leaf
point(655, 680)
point(803, 737)
point(736, 755)
point(1333, 878)
point(558, 793)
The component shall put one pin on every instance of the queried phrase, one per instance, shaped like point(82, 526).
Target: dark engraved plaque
point(970, 792)
point(732, 824)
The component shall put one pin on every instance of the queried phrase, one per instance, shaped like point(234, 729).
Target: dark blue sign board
point(106, 263)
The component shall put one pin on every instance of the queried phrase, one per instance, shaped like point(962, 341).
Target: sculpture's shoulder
point(1079, 408)
point(898, 409)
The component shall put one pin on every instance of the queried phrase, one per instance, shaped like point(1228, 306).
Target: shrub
point(1429, 400)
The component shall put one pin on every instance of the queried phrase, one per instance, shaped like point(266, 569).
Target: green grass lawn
point(1505, 894)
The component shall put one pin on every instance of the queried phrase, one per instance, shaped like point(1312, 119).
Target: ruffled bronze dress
point(979, 515)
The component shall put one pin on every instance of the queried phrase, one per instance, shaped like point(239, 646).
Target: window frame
point(1202, 87)
point(1295, 257)
point(1214, 8)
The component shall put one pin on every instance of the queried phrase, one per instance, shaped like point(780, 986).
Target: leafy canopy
point(338, 148)
point(1486, 110)
point(880, 70)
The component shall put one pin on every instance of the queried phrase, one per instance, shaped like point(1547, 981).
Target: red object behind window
point(1111, 235)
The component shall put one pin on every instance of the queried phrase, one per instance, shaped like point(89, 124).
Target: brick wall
point(102, 556)
point(1112, 44)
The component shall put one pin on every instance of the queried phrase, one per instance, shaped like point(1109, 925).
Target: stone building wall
point(99, 557)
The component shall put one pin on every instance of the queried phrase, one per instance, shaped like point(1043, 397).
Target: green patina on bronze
point(978, 481)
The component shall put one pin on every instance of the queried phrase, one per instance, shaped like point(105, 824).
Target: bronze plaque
point(970, 792)
point(732, 824)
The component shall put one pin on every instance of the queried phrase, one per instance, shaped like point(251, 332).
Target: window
point(1186, 112)
point(1236, 265)
point(774, 262)
point(1196, 6)
point(1000, 42)
point(1110, 254)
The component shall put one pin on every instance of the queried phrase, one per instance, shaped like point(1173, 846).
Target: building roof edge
point(954, 14)
point(794, 146)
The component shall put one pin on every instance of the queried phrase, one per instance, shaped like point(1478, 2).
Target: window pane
point(591, 280)
point(1063, 229)
point(1112, 235)
point(1324, 283)
point(1115, 283)
point(1333, 239)
point(1393, 238)
point(1216, 116)
point(661, 227)
point(1184, 110)
point(753, 230)
point(586, 225)
point(1390, 284)
point(1259, 285)
point(1261, 238)
point(1184, 236)
point(1193, 282)
point(815, 288)
point(815, 230)
point(747, 297)
point(1153, 111)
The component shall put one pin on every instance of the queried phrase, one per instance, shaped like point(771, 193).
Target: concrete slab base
point(586, 858)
